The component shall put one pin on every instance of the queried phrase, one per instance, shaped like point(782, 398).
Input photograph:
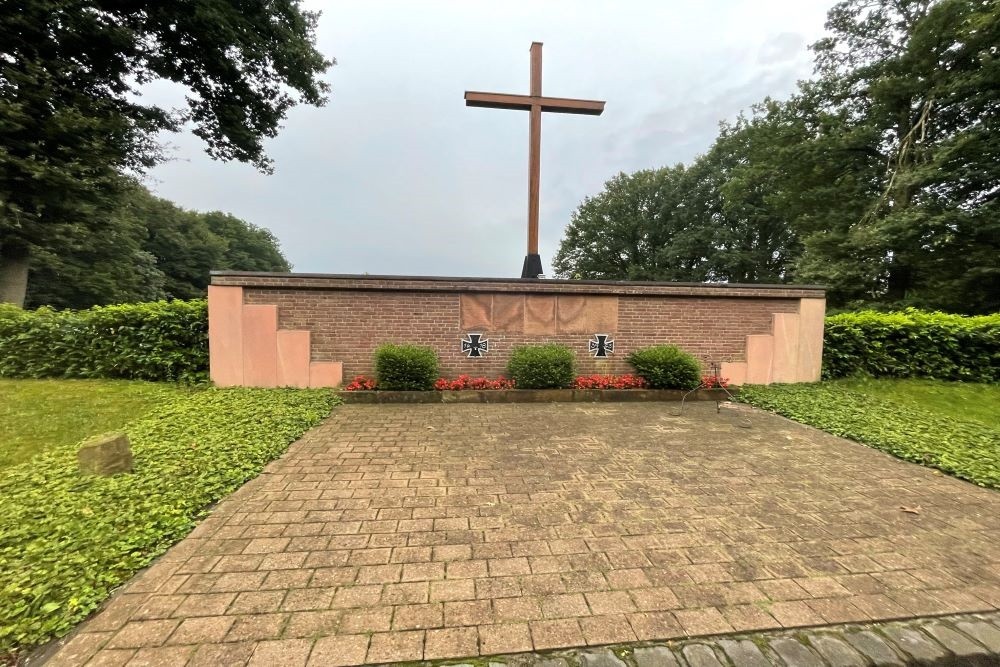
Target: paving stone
point(875, 647)
point(914, 643)
point(654, 656)
point(836, 651)
point(743, 653)
point(603, 658)
point(794, 653)
point(986, 634)
point(700, 655)
point(954, 641)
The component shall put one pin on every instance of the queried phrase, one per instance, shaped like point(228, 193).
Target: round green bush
point(549, 366)
point(666, 367)
point(405, 367)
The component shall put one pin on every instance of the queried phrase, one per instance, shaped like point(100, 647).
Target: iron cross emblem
point(602, 346)
point(475, 346)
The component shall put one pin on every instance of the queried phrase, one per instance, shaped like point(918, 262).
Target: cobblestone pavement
point(969, 640)
point(420, 532)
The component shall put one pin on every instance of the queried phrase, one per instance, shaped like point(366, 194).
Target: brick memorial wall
point(270, 329)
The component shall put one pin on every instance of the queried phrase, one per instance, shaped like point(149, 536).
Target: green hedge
point(549, 366)
point(405, 367)
point(912, 343)
point(68, 540)
point(140, 341)
point(666, 367)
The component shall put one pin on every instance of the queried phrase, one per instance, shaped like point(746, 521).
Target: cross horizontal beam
point(525, 102)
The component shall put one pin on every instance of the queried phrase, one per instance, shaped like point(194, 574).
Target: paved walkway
point(394, 533)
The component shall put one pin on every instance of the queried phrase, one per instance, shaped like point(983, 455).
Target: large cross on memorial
point(536, 104)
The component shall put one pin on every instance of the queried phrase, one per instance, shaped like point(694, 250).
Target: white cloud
point(396, 175)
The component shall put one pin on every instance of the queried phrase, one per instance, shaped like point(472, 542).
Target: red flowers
point(463, 382)
point(609, 382)
point(713, 381)
point(360, 383)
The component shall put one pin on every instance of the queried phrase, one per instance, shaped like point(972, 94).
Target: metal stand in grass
point(744, 422)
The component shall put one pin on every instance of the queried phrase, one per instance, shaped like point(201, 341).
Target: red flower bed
point(463, 382)
point(714, 381)
point(360, 383)
point(609, 382)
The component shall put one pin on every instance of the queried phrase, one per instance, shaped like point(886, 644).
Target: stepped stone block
point(260, 346)
point(326, 373)
point(225, 335)
point(293, 358)
point(760, 354)
point(784, 363)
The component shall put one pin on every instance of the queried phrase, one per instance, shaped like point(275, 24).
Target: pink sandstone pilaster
point(260, 346)
point(225, 335)
point(326, 373)
point(734, 371)
point(812, 313)
point(293, 358)
point(784, 363)
point(760, 353)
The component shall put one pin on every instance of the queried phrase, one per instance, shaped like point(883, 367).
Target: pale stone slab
point(760, 352)
point(784, 363)
point(735, 371)
point(260, 346)
point(293, 358)
point(326, 373)
point(812, 313)
point(225, 335)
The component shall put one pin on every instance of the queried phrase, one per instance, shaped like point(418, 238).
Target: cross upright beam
point(535, 104)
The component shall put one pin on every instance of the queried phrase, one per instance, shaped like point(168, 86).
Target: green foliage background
point(144, 341)
point(549, 366)
point(405, 367)
point(666, 367)
point(67, 540)
point(966, 448)
point(878, 178)
point(912, 343)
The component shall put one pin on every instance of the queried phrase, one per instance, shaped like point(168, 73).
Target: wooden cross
point(536, 104)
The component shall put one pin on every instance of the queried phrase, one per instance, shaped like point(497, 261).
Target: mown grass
point(67, 540)
point(948, 426)
point(37, 415)
point(967, 401)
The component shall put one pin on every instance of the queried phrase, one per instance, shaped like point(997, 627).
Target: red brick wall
point(348, 321)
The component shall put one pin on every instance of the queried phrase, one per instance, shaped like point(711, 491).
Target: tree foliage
point(880, 177)
point(72, 121)
point(152, 249)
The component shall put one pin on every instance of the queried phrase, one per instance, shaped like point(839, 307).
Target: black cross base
point(532, 267)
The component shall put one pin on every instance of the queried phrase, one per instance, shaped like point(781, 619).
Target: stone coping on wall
point(319, 281)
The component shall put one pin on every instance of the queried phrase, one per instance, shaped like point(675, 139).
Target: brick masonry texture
point(349, 317)
point(394, 533)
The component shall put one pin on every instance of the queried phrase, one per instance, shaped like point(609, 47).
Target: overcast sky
point(397, 176)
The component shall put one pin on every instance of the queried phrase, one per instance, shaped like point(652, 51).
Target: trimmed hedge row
point(912, 343)
point(159, 340)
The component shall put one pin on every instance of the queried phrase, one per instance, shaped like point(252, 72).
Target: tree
point(153, 250)
point(71, 123)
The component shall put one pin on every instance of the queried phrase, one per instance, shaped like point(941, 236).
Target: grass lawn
point(67, 540)
point(36, 415)
point(960, 400)
point(951, 426)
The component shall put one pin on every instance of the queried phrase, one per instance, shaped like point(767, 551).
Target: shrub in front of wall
point(666, 367)
point(550, 366)
point(405, 367)
point(160, 341)
point(912, 343)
